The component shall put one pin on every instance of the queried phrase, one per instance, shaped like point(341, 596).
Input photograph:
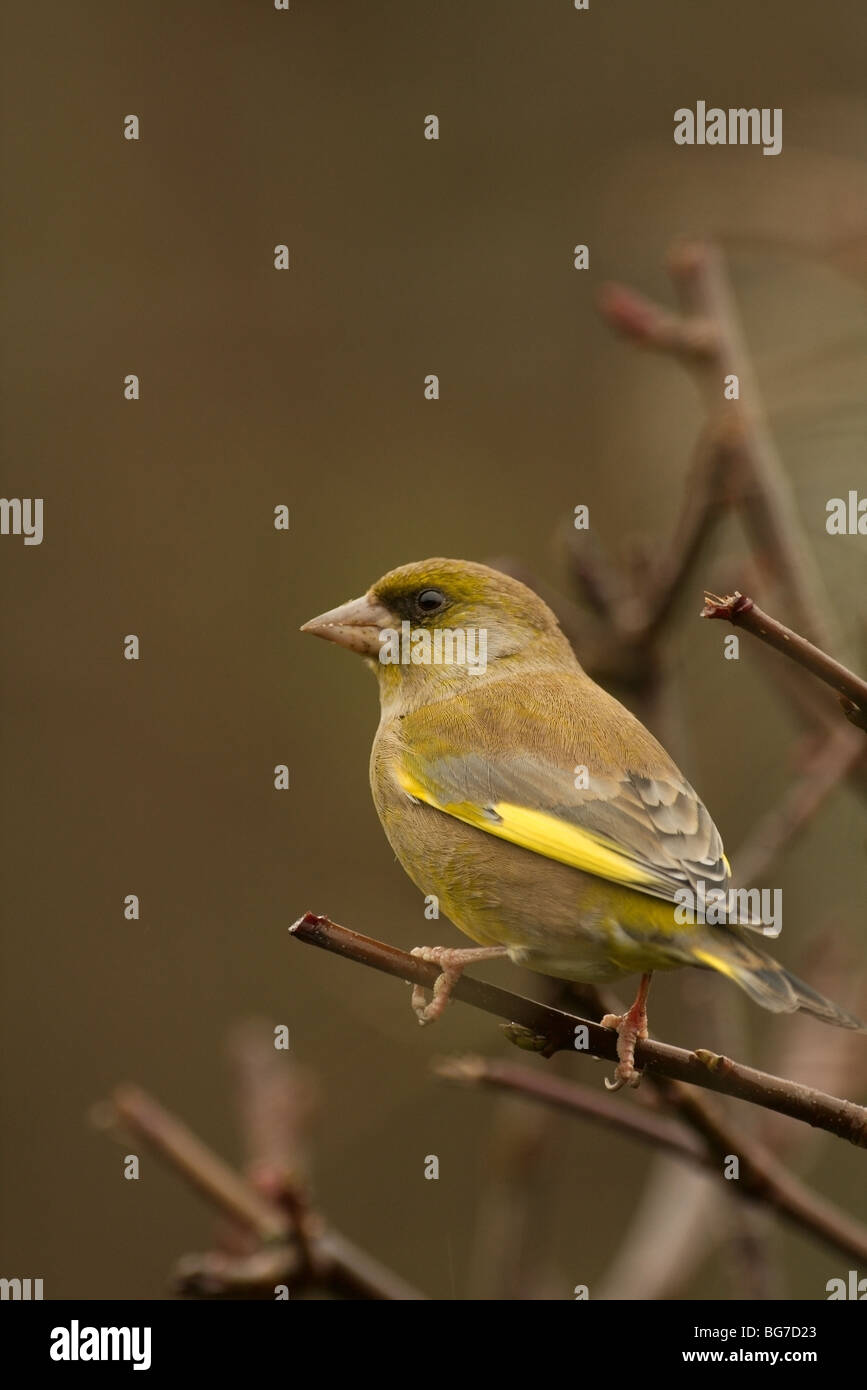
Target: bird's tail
point(764, 979)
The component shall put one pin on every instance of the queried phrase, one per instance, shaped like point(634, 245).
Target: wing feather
point(641, 827)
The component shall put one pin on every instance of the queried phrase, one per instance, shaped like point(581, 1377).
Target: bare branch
point(760, 1176)
point(548, 1030)
point(826, 767)
point(765, 496)
point(141, 1115)
point(741, 611)
point(334, 1262)
point(708, 489)
point(640, 1123)
point(706, 337)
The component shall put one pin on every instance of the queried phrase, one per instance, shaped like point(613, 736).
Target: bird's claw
point(624, 1075)
point(443, 985)
point(453, 961)
point(631, 1028)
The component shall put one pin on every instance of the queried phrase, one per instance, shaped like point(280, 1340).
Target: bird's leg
point(453, 962)
point(631, 1027)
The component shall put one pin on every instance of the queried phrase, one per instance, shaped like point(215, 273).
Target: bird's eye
point(429, 600)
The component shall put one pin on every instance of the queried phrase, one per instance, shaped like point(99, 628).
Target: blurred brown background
point(306, 388)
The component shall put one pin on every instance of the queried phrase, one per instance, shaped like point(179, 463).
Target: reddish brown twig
point(824, 769)
point(275, 1105)
point(334, 1263)
point(764, 495)
point(706, 337)
point(555, 1031)
point(641, 1123)
point(708, 341)
point(760, 1176)
point(741, 611)
point(142, 1115)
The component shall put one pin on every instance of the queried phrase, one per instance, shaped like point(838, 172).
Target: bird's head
point(431, 628)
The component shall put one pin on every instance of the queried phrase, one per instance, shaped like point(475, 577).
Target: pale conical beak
point(355, 625)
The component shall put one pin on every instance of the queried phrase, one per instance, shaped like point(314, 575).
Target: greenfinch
point(549, 824)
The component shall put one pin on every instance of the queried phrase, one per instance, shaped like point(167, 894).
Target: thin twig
point(337, 1264)
point(143, 1116)
point(708, 341)
point(760, 1176)
point(741, 611)
point(707, 338)
point(275, 1104)
point(765, 496)
point(342, 1269)
point(826, 767)
point(555, 1031)
point(765, 1178)
point(812, 705)
point(708, 490)
point(648, 1125)
point(275, 1100)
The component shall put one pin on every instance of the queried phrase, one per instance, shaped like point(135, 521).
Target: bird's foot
point(631, 1029)
point(453, 962)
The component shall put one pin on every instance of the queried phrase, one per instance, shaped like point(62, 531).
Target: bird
point(549, 823)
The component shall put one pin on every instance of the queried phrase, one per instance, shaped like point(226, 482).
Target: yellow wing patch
point(717, 963)
point(546, 835)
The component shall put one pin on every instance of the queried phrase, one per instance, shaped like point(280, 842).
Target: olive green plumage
point(541, 813)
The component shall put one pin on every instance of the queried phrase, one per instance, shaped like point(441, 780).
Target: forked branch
point(546, 1030)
